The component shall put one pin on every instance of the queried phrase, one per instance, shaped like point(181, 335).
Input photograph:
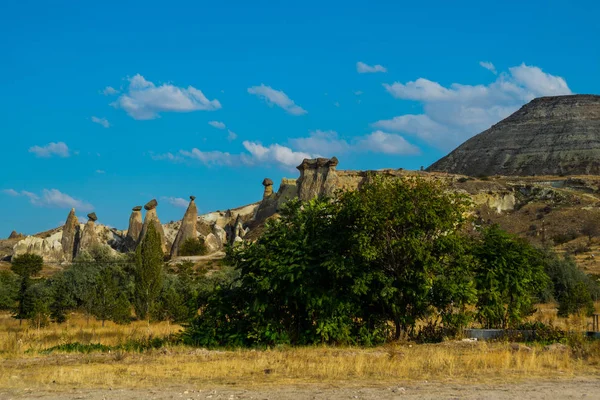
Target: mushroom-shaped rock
point(187, 230)
point(70, 236)
point(317, 178)
point(268, 184)
point(92, 216)
point(135, 228)
point(152, 218)
point(151, 205)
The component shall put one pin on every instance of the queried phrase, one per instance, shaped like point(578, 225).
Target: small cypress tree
point(148, 274)
point(25, 266)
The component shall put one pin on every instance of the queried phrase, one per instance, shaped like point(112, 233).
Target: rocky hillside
point(551, 210)
point(548, 136)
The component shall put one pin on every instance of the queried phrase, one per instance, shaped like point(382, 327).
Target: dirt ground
point(581, 388)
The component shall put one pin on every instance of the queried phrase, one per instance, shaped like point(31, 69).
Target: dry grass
point(470, 362)
point(179, 365)
point(16, 339)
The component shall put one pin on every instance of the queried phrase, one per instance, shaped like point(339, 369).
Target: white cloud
point(53, 198)
point(217, 124)
point(144, 100)
point(109, 91)
point(102, 121)
point(99, 171)
point(358, 92)
point(386, 143)
point(51, 149)
point(455, 113)
point(231, 135)
point(363, 68)
point(10, 192)
point(489, 66)
point(176, 201)
point(276, 97)
point(319, 141)
point(318, 144)
point(273, 154)
point(337, 104)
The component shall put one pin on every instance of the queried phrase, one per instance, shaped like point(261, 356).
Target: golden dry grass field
point(24, 365)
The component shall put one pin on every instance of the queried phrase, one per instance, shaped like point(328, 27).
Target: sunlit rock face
point(152, 218)
point(317, 178)
point(187, 230)
point(557, 135)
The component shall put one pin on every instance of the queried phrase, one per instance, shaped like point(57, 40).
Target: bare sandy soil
point(582, 388)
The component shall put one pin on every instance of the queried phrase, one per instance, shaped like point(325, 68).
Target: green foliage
point(192, 247)
point(337, 271)
point(9, 290)
point(509, 274)
point(36, 304)
point(27, 265)
point(108, 301)
point(571, 288)
point(62, 300)
point(148, 273)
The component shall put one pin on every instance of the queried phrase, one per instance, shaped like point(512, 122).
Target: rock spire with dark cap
point(89, 238)
point(187, 230)
point(268, 184)
point(317, 178)
point(70, 236)
point(152, 218)
point(135, 228)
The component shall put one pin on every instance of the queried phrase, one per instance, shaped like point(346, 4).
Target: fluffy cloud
point(318, 140)
point(489, 66)
point(217, 124)
point(11, 192)
point(454, 114)
point(231, 135)
point(102, 121)
point(376, 142)
point(276, 97)
point(109, 91)
point(59, 149)
point(363, 68)
point(145, 100)
point(317, 144)
point(387, 143)
point(53, 198)
point(176, 201)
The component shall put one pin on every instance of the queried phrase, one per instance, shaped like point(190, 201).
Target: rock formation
point(549, 136)
point(89, 238)
point(187, 230)
point(152, 218)
point(135, 228)
point(16, 235)
point(317, 178)
point(70, 236)
point(268, 184)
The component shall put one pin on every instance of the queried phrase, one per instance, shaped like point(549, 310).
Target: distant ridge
point(557, 135)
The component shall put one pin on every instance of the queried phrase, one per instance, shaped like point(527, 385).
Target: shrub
point(192, 247)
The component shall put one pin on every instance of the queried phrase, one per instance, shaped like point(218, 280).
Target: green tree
point(109, 301)
point(570, 287)
point(148, 273)
point(509, 275)
point(62, 298)
point(25, 266)
point(9, 290)
point(192, 247)
point(36, 302)
point(407, 232)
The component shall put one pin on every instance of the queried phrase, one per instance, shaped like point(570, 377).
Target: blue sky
point(105, 106)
